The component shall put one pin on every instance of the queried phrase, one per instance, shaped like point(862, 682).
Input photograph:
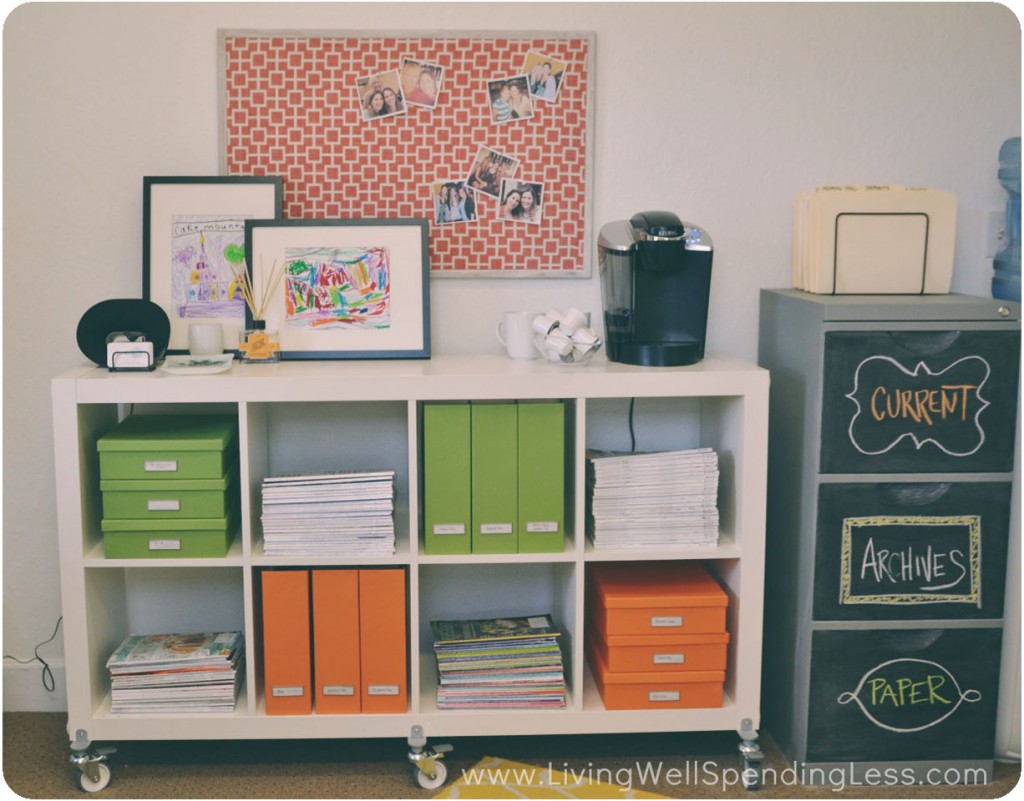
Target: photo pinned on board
point(520, 201)
point(380, 95)
point(421, 82)
point(509, 99)
point(489, 169)
point(545, 75)
point(453, 202)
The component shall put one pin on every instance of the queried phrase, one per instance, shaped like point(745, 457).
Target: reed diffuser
point(257, 344)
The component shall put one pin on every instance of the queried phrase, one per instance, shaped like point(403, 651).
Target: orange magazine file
point(383, 638)
point(286, 659)
point(336, 641)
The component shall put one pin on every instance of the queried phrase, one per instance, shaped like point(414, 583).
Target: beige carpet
point(35, 765)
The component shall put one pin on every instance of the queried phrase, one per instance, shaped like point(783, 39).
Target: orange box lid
point(635, 585)
point(625, 640)
point(605, 676)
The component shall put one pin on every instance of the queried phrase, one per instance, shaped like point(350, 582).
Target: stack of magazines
point(652, 500)
point(503, 663)
point(329, 513)
point(176, 673)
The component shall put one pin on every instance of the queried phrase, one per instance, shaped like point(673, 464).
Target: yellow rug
point(493, 777)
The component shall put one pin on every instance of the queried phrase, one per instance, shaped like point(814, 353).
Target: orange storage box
point(625, 653)
point(656, 598)
point(680, 689)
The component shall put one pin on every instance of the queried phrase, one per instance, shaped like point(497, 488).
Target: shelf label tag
point(170, 505)
point(161, 466)
point(288, 691)
point(495, 528)
point(382, 689)
point(669, 659)
point(449, 528)
point(339, 689)
point(666, 621)
point(165, 545)
point(663, 695)
point(542, 527)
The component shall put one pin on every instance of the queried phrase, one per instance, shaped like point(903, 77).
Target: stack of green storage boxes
point(170, 486)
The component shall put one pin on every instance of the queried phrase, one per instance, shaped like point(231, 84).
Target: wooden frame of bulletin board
point(300, 105)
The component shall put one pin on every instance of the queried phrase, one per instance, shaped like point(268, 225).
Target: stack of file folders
point(176, 673)
point(329, 513)
point(652, 500)
point(503, 663)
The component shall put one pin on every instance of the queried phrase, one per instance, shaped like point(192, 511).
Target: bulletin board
point(297, 105)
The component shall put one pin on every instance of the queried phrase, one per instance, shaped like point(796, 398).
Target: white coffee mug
point(515, 332)
point(205, 339)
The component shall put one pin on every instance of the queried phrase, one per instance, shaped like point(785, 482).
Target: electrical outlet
point(995, 233)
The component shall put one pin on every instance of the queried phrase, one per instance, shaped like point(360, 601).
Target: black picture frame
point(175, 212)
point(353, 317)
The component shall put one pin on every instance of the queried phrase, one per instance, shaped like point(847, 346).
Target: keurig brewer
point(655, 281)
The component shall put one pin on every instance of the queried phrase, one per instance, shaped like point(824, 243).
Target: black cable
point(48, 682)
point(633, 438)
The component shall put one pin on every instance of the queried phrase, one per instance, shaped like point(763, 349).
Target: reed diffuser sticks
point(269, 282)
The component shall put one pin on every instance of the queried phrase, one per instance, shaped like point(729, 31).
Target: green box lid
point(171, 484)
point(170, 524)
point(167, 432)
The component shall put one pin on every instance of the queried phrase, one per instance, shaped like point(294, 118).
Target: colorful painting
point(203, 248)
point(338, 287)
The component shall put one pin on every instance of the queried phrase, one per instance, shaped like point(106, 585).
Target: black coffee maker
point(655, 282)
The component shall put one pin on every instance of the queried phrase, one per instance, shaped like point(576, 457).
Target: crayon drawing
point(338, 287)
point(203, 248)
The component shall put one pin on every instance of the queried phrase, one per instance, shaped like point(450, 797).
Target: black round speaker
point(122, 314)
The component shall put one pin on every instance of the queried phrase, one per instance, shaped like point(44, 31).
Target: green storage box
point(168, 539)
point(140, 499)
point(166, 447)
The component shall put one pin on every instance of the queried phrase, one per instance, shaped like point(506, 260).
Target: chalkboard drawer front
point(909, 551)
point(919, 401)
point(903, 694)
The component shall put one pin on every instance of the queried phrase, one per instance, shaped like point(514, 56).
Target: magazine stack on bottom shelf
point(329, 513)
point(652, 500)
point(176, 673)
point(503, 663)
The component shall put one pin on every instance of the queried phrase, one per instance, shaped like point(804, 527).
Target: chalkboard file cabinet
point(892, 428)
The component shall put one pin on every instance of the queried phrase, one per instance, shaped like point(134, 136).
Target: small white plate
point(197, 365)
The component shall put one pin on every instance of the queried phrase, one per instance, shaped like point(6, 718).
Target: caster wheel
point(90, 786)
point(424, 781)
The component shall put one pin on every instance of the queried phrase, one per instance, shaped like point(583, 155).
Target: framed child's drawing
point(447, 127)
point(193, 234)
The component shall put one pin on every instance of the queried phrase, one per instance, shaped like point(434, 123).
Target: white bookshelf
point(295, 416)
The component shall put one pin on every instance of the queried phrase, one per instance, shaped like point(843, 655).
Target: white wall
point(718, 112)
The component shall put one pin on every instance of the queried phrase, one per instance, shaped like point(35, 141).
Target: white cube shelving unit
point(313, 416)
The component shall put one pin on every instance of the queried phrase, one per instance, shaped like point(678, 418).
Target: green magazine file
point(541, 463)
point(446, 478)
point(495, 481)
